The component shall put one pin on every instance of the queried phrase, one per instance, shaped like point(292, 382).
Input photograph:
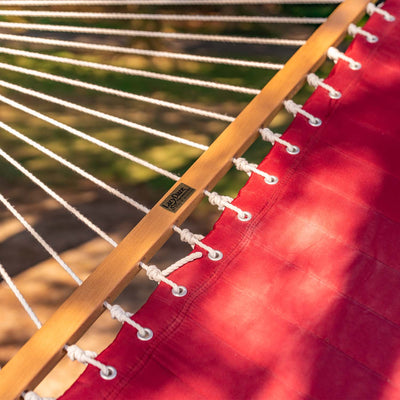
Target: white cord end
point(354, 30)
point(334, 54)
point(372, 8)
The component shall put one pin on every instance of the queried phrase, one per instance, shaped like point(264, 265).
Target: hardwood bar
point(39, 355)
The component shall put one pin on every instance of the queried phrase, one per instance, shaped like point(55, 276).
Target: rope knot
point(314, 80)
point(218, 200)
point(354, 30)
point(32, 396)
point(243, 165)
point(35, 396)
point(74, 352)
point(372, 8)
point(154, 273)
point(118, 313)
point(292, 107)
point(269, 136)
point(189, 237)
point(334, 54)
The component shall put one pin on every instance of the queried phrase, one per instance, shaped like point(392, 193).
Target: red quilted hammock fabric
point(305, 303)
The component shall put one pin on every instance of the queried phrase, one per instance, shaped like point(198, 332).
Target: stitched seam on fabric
point(313, 139)
point(360, 160)
point(354, 202)
point(245, 237)
point(325, 341)
point(304, 395)
point(327, 284)
point(342, 241)
point(172, 326)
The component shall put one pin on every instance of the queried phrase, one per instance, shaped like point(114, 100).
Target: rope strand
point(19, 295)
point(153, 34)
point(75, 168)
point(39, 239)
point(164, 17)
point(142, 52)
point(130, 71)
point(101, 115)
point(90, 139)
point(58, 198)
point(114, 92)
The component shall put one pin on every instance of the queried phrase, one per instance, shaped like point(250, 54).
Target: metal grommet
point(315, 121)
point(293, 150)
point(335, 95)
point(355, 66)
point(180, 291)
point(147, 335)
point(216, 256)
point(245, 216)
point(272, 180)
point(372, 39)
point(111, 373)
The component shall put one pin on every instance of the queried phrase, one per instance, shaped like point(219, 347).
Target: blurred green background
point(171, 156)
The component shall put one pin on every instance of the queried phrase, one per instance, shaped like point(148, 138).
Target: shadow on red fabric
point(305, 302)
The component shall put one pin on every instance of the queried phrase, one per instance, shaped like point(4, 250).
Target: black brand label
point(177, 198)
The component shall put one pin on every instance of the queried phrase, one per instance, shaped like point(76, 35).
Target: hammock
point(304, 303)
point(300, 299)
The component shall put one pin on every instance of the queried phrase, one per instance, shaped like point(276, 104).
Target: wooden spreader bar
point(39, 355)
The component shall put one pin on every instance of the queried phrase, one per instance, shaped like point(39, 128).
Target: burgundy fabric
point(305, 303)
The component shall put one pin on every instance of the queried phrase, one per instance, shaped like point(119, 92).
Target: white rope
point(372, 8)
point(73, 352)
point(91, 139)
point(58, 198)
point(295, 109)
point(222, 202)
point(334, 54)
point(55, 255)
point(243, 165)
point(272, 137)
point(142, 52)
point(166, 17)
point(189, 237)
point(191, 257)
point(269, 136)
point(354, 30)
point(75, 168)
point(86, 357)
point(34, 396)
point(159, 170)
point(153, 34)
point(118, 313)
point(194, 240)
point(316, 81)
point(39, 238)
point(185, 234)
point(130, 71)
point(19, 295)
point(155, 274)
point(114, 92)
point(100, 114)
point(158, 275)
point(159, 2)
point(59, 260)
point(28, 309)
